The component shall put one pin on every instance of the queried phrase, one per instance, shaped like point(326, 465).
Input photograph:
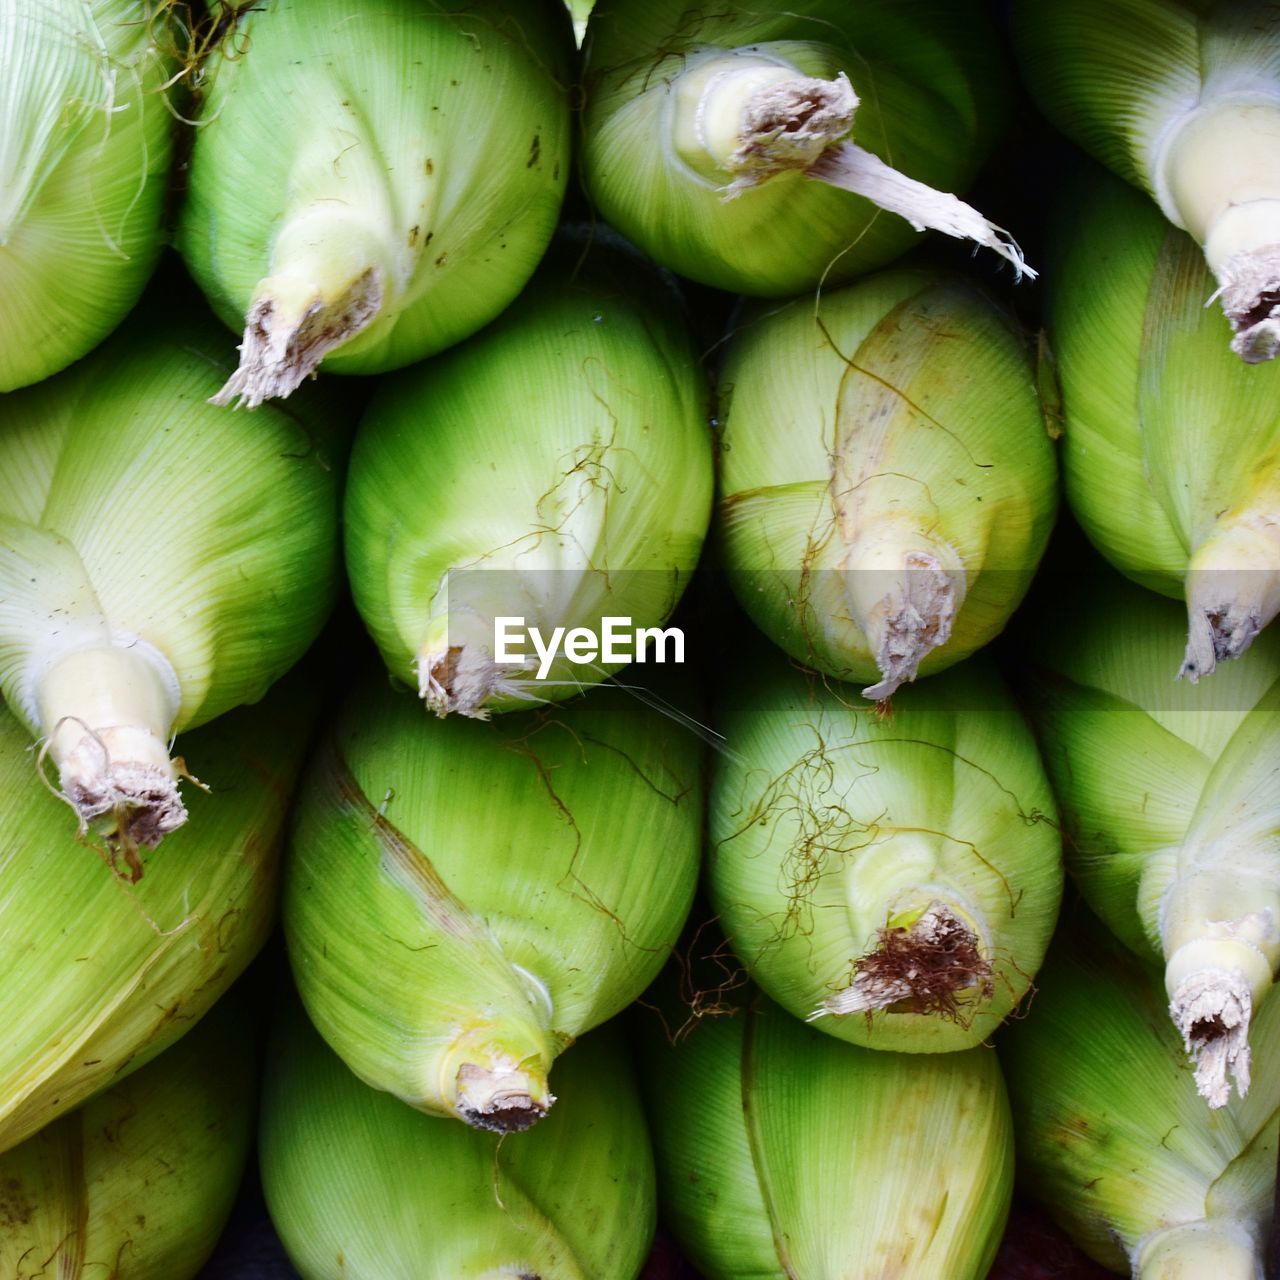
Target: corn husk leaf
point(887, 485)
point(159, 563)
point(1169, 800)
point(356, 194)
point(652, 171)
point(1182, 99)
point(85, 145)
point(783, 1153)
point(414, 1195)
point(1172, 449)
point(838, 837)
point(128, 969)
point(465, 899)
point(1112, 1135)
point(138, 1182)
point(600, 511)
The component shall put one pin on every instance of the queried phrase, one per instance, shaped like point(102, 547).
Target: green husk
point(99, 976)
point(1169, 799)
point(887, 485)
point(1112, 1136)
point(784, 1155)
point(409, 1195)
point(556, 468)
point(160, 564)
point(718, 138)
point(1182, 99)
point(371, 184)
point(893, 878)
point(138, 1182)
point(85, 145)
point(465, 899)
point(1172, 448)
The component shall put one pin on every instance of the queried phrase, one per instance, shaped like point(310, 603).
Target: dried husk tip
point(1250, 298)
point(1215, 176)
point(493, 1084)
point(456, 669)
point(757, 118)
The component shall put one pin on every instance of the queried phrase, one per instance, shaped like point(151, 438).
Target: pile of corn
point(530, 516)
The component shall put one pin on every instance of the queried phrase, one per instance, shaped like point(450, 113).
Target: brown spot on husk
point(16, 1207)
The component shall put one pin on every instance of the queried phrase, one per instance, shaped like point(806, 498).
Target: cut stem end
point(755, 120)
point(1232, 588)
point(1212, 1010)
point(132, 802)
point(911, 625)
point(1250, 297)
point(108, 714)
point(459, 679)
point(787, 125)
point(1217, 634)
point(144, 803)
point(285, 343)
point(500, 1100)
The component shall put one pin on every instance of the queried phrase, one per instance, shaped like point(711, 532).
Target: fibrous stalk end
point(458, 679)
point(788, 125)
point(143, 802)
point(500, 1100)
point(913, 625)
point(1250, 297)
point(1217, 634)
point(757, 122)
point(107, 711)
point(121, 784)
point(1232, 587)
point(923, 966)
point(464, 679)
point(284, 342)
point(1212, 1011)
point(135, 806)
